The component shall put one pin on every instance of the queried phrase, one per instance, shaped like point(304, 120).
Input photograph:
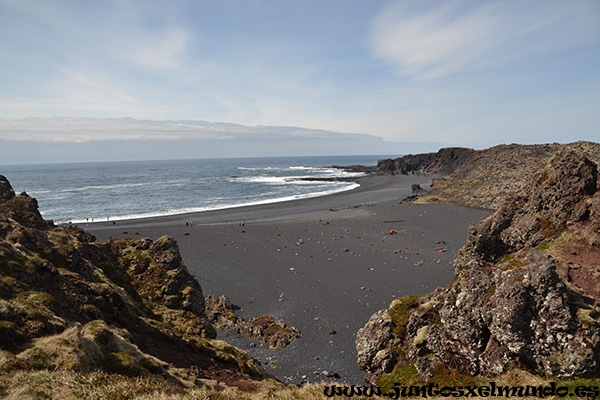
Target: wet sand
point(324, 265)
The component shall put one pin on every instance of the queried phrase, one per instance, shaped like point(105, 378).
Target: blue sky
point(375, 75)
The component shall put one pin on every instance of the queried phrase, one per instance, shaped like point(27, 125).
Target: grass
point(406, 374)
point(556, 242)
point(69, 385)
point(44, 384)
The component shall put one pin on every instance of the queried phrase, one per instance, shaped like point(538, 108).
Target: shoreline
point(323, 264)
point(374, 188)
point(125, 218)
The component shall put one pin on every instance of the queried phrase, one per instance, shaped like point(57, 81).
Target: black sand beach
point(324, 265)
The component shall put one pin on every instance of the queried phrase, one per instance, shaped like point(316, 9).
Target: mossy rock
point(41, 358)
point(90, 311)
point(41, 297)
point(405, 374)
point(120, 363)
point(400, 311)
point(95, 328)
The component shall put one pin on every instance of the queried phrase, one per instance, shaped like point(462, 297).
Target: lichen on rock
point(515, 300)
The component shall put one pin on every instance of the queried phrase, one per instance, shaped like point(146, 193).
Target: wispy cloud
point(427, 43)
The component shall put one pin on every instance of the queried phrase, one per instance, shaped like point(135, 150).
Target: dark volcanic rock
point(126, 306)
point(515, 300)
point(6, 190)
point(444, 162)
point(265, 328)
point(22, 208)
point(490, 175)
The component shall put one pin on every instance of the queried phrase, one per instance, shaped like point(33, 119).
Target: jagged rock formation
point(126, 306)
point(266, 329)
point(486, 177)
point(526, 290)
point(443, 162)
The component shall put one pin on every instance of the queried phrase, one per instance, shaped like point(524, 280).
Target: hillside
point(128, 307)
point(526, 291)
point(482, 178)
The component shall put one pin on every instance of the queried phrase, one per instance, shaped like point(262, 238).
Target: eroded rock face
point(6, 190)
point(490, 175)
point(266, 329)
point(126, 306)
point(443, 162)
point(515, 300)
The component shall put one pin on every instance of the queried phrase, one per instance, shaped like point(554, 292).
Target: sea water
point(80, 192)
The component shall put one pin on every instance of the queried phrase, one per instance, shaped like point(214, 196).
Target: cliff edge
point(128, 307)
point(481, 178)
point(525, 294)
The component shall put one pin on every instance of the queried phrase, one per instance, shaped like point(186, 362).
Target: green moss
point(556, 242)
point(548, 228)
point(506, 258)
point(441, 377)
point(490, 292)
point(41, 297)
point(573, 383)
point(90, 311)
point(400, 312)
point(119, 363)
point(96, 327)
point(8, 280)
point(150, 365)
point(404, 374)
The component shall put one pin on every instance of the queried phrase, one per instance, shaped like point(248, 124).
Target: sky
point(145, 79)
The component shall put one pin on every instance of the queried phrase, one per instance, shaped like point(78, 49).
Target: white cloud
point(429, 43)
point(81, 130)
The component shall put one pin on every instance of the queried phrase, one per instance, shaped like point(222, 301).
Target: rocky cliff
point(125, 306)
point(526, 290)
point(443, 162)
point(479, 178)
point(486, 177)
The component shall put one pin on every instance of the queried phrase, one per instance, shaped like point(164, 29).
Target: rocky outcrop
point(6, 190)
point(126, 306)
point(525, 292)
point(277, 334)
point(488, 176)
point(443, 162)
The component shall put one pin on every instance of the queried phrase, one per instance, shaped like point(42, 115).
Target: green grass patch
point(404, 374)
point(41, 297)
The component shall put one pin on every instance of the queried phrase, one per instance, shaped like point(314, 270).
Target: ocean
point(80, 192)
